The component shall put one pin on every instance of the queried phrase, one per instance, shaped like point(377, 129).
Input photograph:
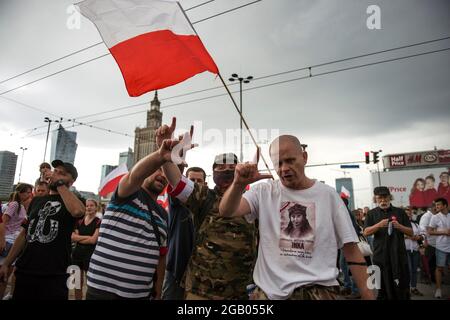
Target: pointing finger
point(173, 125)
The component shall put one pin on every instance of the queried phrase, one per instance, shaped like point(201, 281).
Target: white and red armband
point(182, 190)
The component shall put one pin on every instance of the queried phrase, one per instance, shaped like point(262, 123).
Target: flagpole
point(232, 99)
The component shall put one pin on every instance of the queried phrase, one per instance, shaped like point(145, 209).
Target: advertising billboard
point(415, 187)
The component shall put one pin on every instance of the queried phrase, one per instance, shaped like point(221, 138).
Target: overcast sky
point(399, 106)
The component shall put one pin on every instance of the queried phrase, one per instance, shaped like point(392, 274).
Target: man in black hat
point(45, 241)
point(389, 225)
point(225, 248)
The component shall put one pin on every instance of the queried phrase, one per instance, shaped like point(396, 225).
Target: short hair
point(442, 173)
point(44, 165)
point(442, 200)
point(293, 139)
point(42, 183)
point(431, 177)
point(196, 169)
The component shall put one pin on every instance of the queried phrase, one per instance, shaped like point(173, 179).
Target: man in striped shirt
point(131, 246)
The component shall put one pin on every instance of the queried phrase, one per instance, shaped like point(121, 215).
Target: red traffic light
point(367, 157)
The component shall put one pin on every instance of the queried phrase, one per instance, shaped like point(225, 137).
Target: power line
point(227, 11)
point(267, 85)
point(104, 55)
point(198, 5)
point(81, 50)
point(271, 75)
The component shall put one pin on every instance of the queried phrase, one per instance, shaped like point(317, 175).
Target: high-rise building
point(8, 163)
point(106, 169)
point(347, 183)
point(64, 145)
point(145, 139)
point(127, 157)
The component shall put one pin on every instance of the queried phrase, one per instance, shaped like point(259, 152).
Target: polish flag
point(163, 199)
point(152, 41)
point(345, 193)
point(111, 181)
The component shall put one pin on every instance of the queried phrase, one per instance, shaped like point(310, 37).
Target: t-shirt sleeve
point(13, 208)
point(369, 222)
point(434, 222)
point(98, 222)
point(424, 222)
point(404, 219)
point(343, 227)
point(115, 199)
point(252, 198)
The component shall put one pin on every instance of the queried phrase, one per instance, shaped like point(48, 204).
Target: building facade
point(145, 139)
point(8, 163)
point(64, 145)
point(127, 157)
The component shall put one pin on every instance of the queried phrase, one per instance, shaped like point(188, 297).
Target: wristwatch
point(60, 183)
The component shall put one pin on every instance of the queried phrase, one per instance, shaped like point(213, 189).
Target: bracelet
point(350, 263)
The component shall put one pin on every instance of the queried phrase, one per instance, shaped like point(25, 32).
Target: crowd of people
point(286, 238)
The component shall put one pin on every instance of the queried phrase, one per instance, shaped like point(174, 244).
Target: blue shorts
point(442, 258)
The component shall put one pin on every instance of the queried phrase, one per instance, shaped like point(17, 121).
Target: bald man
point(290, 266)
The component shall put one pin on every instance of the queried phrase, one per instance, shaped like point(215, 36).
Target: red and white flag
point(111, 181)
point(152, 41)
point(163, 199)
point(345, 193)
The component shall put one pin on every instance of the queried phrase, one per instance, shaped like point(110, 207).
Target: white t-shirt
point(289, 256)
point(412, 245)
point(441, 222)
point(423, 224)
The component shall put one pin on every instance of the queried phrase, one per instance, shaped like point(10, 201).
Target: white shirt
point(412, 245)
point(441, 222)
point(287, 260)
point(423, 224)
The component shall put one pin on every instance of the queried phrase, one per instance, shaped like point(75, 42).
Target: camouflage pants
point(312, 292)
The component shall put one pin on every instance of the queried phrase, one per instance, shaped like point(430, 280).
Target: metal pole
point(242, 153)
point(379, 176)
point(21, 162)
point(46, 140)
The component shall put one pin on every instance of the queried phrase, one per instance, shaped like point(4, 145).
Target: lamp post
point(21, 161)
point(47, 119)
point(235, 77)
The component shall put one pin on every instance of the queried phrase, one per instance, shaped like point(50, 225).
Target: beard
point(156, 186)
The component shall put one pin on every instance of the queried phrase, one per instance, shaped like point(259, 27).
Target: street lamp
point(235, 77)
point(47, 119)
point(21, 161)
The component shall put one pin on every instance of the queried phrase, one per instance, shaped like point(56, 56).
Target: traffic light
point(375, 157)
point(367, 157)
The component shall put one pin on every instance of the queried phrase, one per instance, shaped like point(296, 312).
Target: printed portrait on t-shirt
point(297, 223)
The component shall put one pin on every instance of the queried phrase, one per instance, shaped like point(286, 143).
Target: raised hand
point(170, 149)
point(165, 132)
point(247, 173)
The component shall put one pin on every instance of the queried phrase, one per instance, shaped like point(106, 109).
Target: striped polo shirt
point(127, 251)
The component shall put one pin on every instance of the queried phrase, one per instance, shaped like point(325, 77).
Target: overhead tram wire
point(269, 76)
point(104, 55)
point(263, 77)
point(81, 50)
point(267, 85)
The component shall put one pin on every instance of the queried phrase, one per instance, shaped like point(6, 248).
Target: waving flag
point(345, 193)
point(152, 41)
point(111, 181)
